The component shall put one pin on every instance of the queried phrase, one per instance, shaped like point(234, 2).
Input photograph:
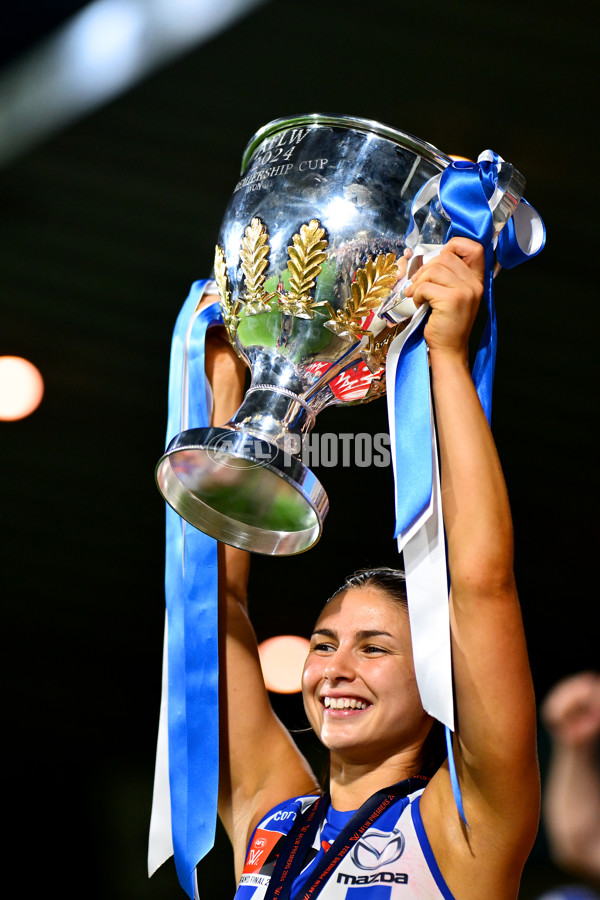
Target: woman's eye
point(371, 649)
point(322, 646)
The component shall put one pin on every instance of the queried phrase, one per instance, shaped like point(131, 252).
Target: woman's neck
point(351, 783)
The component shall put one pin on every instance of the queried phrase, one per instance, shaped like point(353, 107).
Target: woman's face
point(358, 685)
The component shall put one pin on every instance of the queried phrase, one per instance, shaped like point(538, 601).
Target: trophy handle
point(508, 194)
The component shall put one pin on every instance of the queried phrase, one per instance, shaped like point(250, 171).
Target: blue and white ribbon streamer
point(184, 806)
point(467, 193)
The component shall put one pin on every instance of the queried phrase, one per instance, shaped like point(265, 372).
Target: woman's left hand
point(452, 284)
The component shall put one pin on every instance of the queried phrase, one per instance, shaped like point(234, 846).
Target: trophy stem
point(274, 413)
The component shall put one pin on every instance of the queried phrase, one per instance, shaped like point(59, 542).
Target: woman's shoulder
point(462, 847)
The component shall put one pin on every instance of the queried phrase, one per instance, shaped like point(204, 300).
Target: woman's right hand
point(452, 284)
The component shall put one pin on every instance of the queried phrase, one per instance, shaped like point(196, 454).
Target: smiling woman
point(388, 816)
point(361, 653)
point(345, 641)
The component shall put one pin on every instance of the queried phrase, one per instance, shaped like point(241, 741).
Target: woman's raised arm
point(496, 745)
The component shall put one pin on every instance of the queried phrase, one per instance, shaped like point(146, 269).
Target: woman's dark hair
point(393, 583)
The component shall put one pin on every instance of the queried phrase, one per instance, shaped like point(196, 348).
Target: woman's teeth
point(344, 703)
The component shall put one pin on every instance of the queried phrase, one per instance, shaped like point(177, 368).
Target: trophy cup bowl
point(307, 269)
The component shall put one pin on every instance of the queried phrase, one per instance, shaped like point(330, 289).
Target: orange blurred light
point(282, 660)
point(21, 388)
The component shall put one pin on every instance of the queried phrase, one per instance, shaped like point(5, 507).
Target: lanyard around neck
point(300, 838)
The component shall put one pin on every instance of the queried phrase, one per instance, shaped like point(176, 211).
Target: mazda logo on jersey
point(381, 848)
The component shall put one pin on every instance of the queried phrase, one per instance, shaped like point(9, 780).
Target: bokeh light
point(282, 660)
point(21, 388)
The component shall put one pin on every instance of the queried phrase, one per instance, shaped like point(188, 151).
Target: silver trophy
point(309, 266)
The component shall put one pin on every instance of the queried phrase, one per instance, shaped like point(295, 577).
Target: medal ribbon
point(300, 838)
point(184, 806)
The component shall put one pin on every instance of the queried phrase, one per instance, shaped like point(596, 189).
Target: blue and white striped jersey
point(392, 860)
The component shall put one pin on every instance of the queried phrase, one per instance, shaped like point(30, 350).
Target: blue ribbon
point(413, 431)
point(464, 191)
point(191, 596)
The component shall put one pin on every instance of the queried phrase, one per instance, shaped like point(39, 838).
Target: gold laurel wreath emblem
point(229, 308)
point(306, 256)
point(254, 260)
point(372, 285)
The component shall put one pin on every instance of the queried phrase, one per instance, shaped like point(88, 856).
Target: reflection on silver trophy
point(309, 267)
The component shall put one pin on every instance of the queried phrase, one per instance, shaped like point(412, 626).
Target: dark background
point(105, 224)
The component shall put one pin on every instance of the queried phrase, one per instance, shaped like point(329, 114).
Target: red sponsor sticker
point(317, 367)
point(353, 384)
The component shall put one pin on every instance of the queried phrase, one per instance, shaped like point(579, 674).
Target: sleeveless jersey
point(392, 860)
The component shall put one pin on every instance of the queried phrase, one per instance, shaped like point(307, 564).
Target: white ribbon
point(160, 843)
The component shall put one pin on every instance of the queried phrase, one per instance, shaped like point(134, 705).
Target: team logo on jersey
point(380, 848)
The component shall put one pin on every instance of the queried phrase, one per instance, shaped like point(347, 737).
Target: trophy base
point(243, 490)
